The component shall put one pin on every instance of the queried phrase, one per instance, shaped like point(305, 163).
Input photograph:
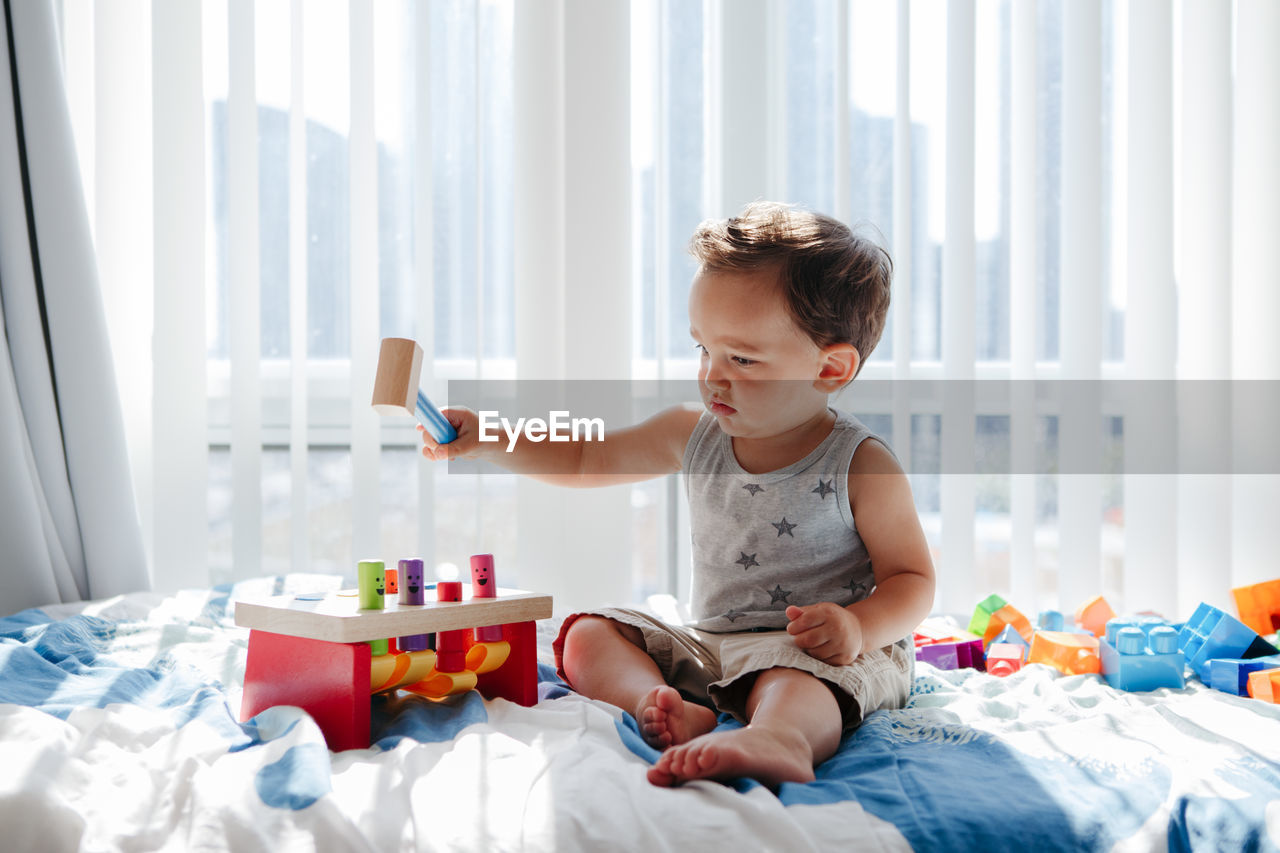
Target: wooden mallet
point(396, 391)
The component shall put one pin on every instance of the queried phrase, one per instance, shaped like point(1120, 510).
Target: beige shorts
point(720, 669)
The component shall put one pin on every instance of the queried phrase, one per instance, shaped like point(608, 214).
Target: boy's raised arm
point(652, 448)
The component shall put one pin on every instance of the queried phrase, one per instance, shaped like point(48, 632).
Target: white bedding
point(118, 730)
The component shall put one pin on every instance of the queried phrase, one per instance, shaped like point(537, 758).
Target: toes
point(661, 778)
point(668, 700)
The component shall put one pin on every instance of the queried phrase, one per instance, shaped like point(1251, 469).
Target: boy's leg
point(606, 660)
point(794, 725)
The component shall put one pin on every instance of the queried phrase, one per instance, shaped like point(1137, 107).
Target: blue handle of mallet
point(441, 430)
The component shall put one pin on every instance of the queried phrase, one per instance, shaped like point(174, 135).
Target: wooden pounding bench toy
point(315, 652)
point(327, 654)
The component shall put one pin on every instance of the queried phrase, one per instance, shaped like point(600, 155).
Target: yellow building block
point(1072, 654)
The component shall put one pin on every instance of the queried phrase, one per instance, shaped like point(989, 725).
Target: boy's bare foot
point(769, 756)
point(666, 719)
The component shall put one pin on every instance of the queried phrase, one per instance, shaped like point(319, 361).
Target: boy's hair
point(835, 282)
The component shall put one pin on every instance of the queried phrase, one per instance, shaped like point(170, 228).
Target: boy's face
point(759, 372)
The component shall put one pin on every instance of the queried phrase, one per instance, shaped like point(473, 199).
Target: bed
point(119, 730)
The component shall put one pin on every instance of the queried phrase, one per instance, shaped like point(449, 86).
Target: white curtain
point(67, 515)
point(1161, 196)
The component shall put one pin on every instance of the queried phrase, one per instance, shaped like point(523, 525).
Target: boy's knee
point(588, 632)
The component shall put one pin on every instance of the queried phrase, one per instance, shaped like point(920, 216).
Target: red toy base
point(330, 681)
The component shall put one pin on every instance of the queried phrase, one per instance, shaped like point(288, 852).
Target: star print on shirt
point(779, 594)
point(753, 489)
point(746, 561)
point(858, 589)
point(732, 614)
point(784, 527)
point(825, 487)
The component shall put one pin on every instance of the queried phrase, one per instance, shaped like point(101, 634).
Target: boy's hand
point(465, 446)
point(826, 631)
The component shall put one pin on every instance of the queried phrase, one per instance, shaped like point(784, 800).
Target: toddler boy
point(810, 569)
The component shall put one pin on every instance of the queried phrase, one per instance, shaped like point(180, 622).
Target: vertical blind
point(1078, 190)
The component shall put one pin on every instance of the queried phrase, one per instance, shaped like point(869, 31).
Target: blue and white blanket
point(118, 730)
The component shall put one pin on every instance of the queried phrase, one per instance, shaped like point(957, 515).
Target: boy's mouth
point(719, 408)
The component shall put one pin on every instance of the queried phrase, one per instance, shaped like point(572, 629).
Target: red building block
point(1004, 658)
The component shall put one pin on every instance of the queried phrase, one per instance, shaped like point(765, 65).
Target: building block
point(1007, 616)
point(1259, 606)
point(1094, 614)
point(1141, 657)
point(1005, 658)
point(1211, 633)
point(933, 630)
point(982, 613)
point(941, 629)
point(1265, 685)
point(1051, 620)
point(963, 654)
point(1231, 675)
point(1010, 634)
point(1071, 654)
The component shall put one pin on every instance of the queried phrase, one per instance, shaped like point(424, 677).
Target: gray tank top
point(762, 542)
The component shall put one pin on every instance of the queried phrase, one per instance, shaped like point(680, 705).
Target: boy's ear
point(839, 365)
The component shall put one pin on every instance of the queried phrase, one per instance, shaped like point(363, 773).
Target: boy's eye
point(743, 361)
point(700, 348)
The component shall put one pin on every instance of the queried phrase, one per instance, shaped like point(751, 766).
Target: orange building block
point(1007, 615)
point(1072, 654)
point(1265, 685)
point(1259, 606)
point(1094, 614)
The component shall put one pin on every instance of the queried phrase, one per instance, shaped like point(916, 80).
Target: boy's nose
point(714, 377)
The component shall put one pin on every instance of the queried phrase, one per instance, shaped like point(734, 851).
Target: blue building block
point(1010, 635)
point(1212, 633)
point(1232, 675)
point(1051, 620)
point(1141, 655)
